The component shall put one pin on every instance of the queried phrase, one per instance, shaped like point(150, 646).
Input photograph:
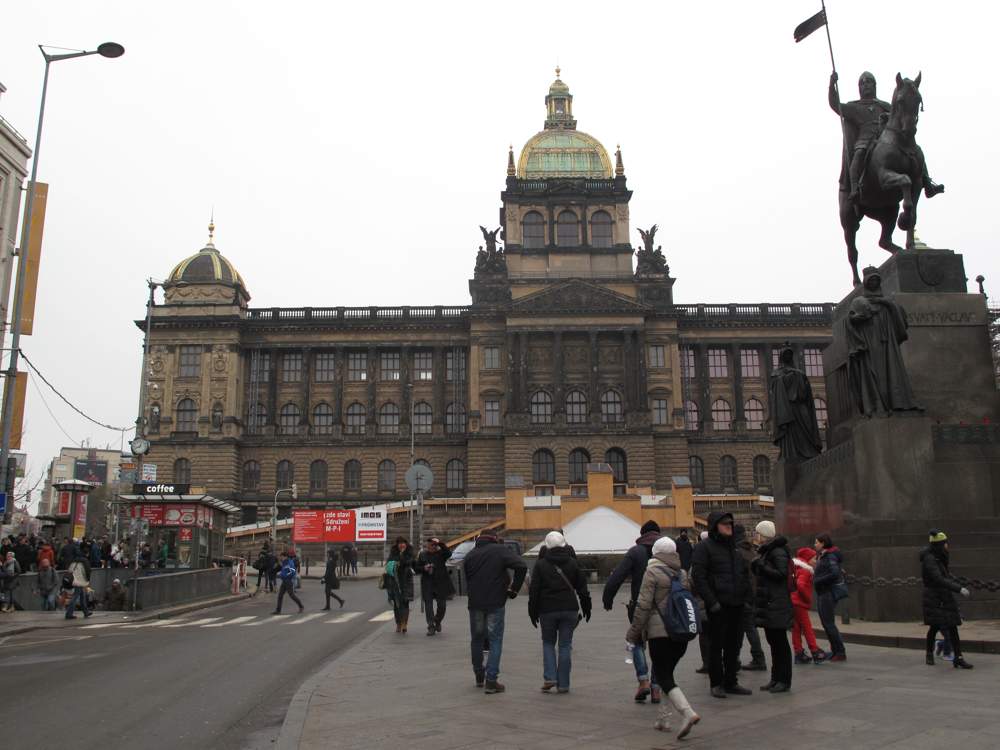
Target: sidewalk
point(417, 692)
point(978, 636)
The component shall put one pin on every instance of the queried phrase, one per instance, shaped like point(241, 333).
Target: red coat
point(45, 552)
point(803, 594)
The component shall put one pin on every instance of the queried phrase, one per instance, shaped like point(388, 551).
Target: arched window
point(578, 460)
point(821, 414)
point(251, 476)
point(727, 473)
point(187, 416)
point(387, 476)
point(454, 418)
point(567, 229)
point(323, 419)
point(257, 418)
point(615, 458)
point(692, 419)
point(317, 477)
point(352, 476)
point(182, 471)
point(388, 419)
point(454, 474)
point(600, 229)
point(541, 407)
point(611, 407)
point(761, 472)
point(422, 418)
point(288, 419)
point(696, 472)
point(533, 227)
point(543, 467)
point(356, 419)
point(576, 407)
point(753, 410)
point(722, 415)
point(285, 475)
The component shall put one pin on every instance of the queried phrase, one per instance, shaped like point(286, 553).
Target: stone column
point(739, 418)
point(641, 373)
point(593, 397)
point(339, 367)
point(704, 386)
point(513, 402)
point(628, 357)
point(372, 375)
point(406, 381)
point(305, 419)
point(272, 387)
point(584, 234)
point(558, 373)
point(438, 379)
point(522, 384)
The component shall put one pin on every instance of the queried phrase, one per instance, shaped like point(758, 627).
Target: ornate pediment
point(578, 297)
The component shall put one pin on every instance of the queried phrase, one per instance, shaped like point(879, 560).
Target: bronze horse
point(894, 174)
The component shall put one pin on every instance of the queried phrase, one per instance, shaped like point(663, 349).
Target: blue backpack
point(680, 613)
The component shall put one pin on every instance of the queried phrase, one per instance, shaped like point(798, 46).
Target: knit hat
point(937, 536)
point(766, 529)
point(704, 536)
point(805, 553)
point(554, 539)
point(650, 526)
point(664, 546)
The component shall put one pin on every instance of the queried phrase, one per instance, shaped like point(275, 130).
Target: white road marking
point(384, 617)
point(346, 617)
point(150, 624)
point(234, 621)
point(202, 621)
point(101, 625)
point(307, 618)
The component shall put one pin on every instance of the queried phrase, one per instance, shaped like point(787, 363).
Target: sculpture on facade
point(492, 259)
point(649, 260)
point(154, 418)
point(882, 165)
point(876, 326)
point(794, 428)
point(217, 417)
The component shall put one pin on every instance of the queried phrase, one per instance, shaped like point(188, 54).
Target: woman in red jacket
point(801, 604)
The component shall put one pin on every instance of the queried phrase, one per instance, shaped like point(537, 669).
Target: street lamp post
point(110, 50)
point(294, 492)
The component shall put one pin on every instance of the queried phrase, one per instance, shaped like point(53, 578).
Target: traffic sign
point(419, 478)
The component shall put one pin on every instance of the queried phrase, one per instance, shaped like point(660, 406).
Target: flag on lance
point(811, 24)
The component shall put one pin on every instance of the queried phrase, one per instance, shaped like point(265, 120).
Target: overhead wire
point(45, 403)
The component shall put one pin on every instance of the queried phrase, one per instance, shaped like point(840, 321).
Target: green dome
point(564, 153)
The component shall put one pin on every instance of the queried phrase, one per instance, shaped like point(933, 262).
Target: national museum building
point(572, 351)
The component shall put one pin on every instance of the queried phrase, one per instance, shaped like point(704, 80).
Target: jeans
point(665, 653)
point(487, 624)
point(781, 655)
point(49, 601)
point(753, 637)
point(827, 609)
point(79, 594)
point(557, 626)
point(725, 631)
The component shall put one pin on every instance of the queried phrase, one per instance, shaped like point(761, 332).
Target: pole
point(274, 523)
point(22, 268)
point(140, 419)
point(836, 87)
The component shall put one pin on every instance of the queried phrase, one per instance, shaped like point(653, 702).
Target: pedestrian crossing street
point(244, 621)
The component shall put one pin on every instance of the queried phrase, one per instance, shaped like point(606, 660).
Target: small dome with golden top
point(206, 267)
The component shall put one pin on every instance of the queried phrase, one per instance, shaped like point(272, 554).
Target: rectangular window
point(454, 366)
point(423, 366)
point(718, 363)
point(688, 369)
point(750, 363)
point(263, 367)
point(813, 361)
point(775, 357)
point(190, 362)
point(659, 411)
point(325, 367)
point(492, 413)
point(491, 358)
point(390, 365)
point(357, 366)
point(291, 367)
point(657, 355)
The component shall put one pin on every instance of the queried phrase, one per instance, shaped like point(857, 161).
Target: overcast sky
point(350, 150)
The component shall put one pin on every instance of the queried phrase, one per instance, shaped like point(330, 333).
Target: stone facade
point(564, 348)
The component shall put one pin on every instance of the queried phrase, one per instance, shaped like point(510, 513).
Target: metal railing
point(357, 313)
point(762, 311)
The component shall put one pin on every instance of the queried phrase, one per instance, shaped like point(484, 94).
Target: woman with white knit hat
point(773, 603)
point(663, 568)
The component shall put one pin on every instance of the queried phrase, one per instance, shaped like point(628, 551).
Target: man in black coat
point(489, 568)
point(722, 579)
point(684, 550)
point(633, 566)
point(330, 581)
point(435, 583)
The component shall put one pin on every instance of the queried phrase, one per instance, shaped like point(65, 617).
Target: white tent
point(600, 531)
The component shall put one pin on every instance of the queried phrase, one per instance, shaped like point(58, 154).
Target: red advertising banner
point(151, 513)
point(307, 525)
point(338, 526)
point(185, 534)
point(64, 501)
point(323, 526)
point(80, 517)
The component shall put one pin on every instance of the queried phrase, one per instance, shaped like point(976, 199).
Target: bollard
point(845, 616)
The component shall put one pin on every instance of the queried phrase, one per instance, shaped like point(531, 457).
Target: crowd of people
point(731, 585)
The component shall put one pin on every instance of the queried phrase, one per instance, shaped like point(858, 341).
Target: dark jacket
point(47, 581)
point(550, 592)
point(66, 555)
point(404, 570)
point(436, 583)
point(720, 574)
point(939, 604)
point(632, 566)
point(330, 579)
point(486, 571)
point(829, 569)
point(773, 596)
point(684, 551)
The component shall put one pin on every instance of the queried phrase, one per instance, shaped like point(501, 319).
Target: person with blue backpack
point(666, 616)
point(287, 574)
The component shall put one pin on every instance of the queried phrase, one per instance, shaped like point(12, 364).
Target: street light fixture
point(294, 492)
point(110, 50)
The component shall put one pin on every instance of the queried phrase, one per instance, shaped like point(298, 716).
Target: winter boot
point(663, 719)
point(492, 686)
point(406, 621)
point(801, 658)
point(961, 663)
point(930, 658)
point(818, 657)
point(688, 717)
point(643, 692)
point(654, 696)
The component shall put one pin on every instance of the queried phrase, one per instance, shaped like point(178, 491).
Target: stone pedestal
point(884, 482)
